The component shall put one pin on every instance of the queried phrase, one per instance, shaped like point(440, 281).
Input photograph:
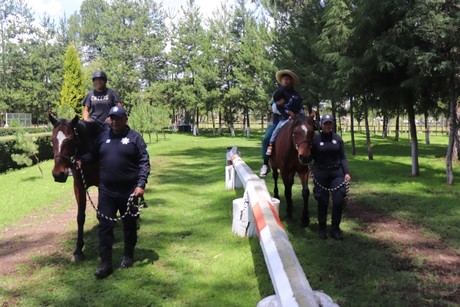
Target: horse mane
point(302, 118)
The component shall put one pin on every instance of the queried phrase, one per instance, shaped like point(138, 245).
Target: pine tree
point(73, 89)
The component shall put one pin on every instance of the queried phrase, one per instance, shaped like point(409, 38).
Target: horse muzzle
point(60, 177)
point(304, 160)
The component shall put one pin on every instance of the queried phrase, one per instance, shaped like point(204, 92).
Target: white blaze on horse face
point(305, 129)
point(60, 137)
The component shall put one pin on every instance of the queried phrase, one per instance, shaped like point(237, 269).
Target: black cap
point(118, 111)
point(327, 118)
point(100, 74)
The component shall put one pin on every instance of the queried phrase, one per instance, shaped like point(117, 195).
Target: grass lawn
point(187, 255)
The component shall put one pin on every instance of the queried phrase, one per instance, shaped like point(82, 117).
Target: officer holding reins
point(331, 175)
point(124, 169)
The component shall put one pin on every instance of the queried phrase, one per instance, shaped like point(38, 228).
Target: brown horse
point(71, 140)
point(291, 155)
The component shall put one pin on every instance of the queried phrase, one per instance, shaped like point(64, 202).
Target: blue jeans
point(277, 130)
point(266, 140)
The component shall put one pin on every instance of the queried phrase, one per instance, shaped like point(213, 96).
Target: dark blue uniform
point(329, 169)
point(124, 165)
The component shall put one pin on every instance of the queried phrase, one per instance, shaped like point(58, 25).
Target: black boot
point(126, 262)
point(105, 268)
point(322, 231)
point(336, 233)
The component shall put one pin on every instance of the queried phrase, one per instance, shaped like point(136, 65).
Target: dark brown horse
point(71, 140)
point(291, 155)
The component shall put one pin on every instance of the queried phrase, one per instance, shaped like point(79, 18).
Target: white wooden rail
point(289, 281)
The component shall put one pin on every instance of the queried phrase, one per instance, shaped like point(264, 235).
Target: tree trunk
point(413, 140)
point(174, 118)
point(248, 124)
point(197, 119)
point(232, 130)
point(452, 136)
point(427, 129)
point(456, 154)
point(334, 115)
point(385, 126)
point(220, 123)
point(352, 128)
point(213, 123)
point(368, 133)
point(397, 126)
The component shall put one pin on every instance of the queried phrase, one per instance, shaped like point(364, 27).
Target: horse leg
point(305, 220)
point(275, 179)
point(288, 180)
point(80, 195)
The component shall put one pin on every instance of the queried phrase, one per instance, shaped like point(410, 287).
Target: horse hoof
point(77, 258)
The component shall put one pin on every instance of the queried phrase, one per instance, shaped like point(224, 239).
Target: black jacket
point(123, 158)
point(329, 152)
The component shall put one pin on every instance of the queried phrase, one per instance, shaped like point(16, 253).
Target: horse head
point(64, 139)
point(302, 136)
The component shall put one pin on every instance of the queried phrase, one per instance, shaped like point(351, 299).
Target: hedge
point(45, 152)
point(12, 131)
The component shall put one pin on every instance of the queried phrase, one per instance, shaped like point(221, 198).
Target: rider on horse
point(97, 103)
point(287, 79)
point(281, 108)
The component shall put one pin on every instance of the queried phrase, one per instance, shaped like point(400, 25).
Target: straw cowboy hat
point(281, 73)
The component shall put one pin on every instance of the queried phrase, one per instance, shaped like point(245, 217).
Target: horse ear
point(75, 121)
point(52, 118)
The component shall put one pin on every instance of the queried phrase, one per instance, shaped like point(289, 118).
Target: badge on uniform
point(334, 142)
point(321, 143)
point(125, 141)
point(107, 141)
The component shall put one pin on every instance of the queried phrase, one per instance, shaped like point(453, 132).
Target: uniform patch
point(125, 141)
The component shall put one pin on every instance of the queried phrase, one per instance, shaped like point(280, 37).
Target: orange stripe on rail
point(259, 217)
point(277, 218)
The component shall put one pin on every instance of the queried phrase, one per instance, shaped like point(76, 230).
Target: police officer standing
point(97, 102)
point(124, 169)
point(330, 172)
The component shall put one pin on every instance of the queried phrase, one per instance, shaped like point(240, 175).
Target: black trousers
point(111, 200)
point(329, 178)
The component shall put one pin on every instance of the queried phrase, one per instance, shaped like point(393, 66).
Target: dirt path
point(39, 234)
point(439, 260)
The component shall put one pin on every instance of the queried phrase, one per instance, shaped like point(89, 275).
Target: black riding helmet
point(100, 74)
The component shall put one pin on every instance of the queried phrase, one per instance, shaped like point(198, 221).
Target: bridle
point(71, 159)
point(297, 145)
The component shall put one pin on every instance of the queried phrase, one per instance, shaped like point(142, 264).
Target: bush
point(12, 131)
point(7, 148)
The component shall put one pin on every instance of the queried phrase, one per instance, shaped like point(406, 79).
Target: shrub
point(7, 148)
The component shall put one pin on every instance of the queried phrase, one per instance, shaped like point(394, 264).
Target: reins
point(129, 206)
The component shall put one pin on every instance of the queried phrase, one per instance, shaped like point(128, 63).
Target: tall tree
point(73, 88)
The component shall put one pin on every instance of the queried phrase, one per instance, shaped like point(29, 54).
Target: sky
point(57, 8)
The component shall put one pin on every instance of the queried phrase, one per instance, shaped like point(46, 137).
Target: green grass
point(187, 255)
point(24, 191)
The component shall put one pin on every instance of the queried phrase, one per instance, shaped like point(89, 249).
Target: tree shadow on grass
point(31, 179)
